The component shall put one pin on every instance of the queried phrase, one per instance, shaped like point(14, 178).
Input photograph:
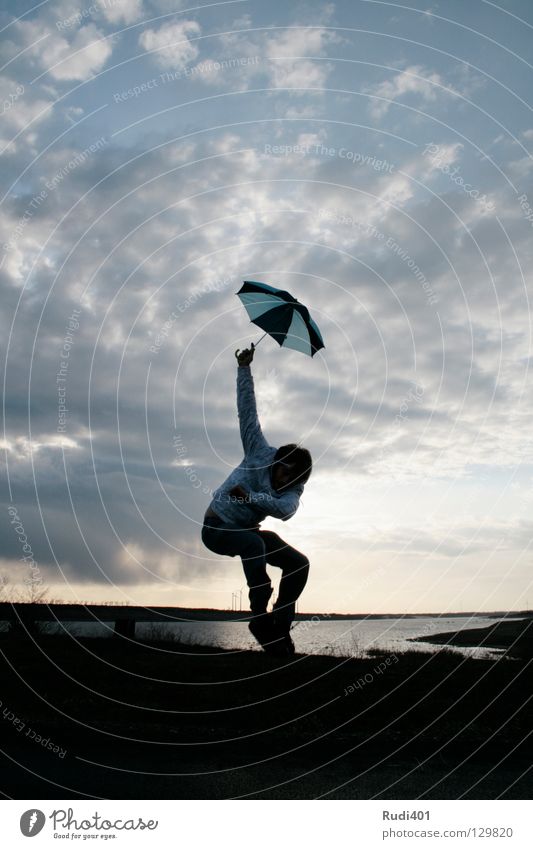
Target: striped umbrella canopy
point(280, 315)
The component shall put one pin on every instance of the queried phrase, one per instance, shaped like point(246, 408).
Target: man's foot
point(289, 645)
point(262, 628)
point(281, 625)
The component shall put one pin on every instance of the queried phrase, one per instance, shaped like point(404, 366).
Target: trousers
point(257, 548)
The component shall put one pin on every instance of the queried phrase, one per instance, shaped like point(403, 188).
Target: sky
point(372, 158)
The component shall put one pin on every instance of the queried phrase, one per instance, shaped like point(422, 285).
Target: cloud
point(235, 72)
point(163, 7)
point(122, 11)
point(300, 72)
point(77, 55)
point(22, 110)
point(134, 234)
point(414, 80)
point(440, 156)
point(289, 59)
point(170, 45)
point(450, 539)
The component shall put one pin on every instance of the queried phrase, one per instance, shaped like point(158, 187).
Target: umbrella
point(281, 316)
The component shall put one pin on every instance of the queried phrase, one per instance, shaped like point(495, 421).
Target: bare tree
point(32, 591)
point(35, 593)
point(3, 582)
point(7, 590)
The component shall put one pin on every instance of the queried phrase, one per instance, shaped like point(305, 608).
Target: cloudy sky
point(371, 157)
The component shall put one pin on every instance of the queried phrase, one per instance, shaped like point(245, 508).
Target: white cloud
point(21, 448)
point(299, 41)
point(73, 114)
point(233, 72)
point(163, 7)
point(439, 157)
point(413, 80)
point(85, 56)
point(274, 56)
point(397, 191)
point(77, 55)
point(171, 45)
point(521, 168)
point(301, 74)
point(449, 538)
point(303, 43)
point(19, 112)
point(300, 112)
point(118, 11)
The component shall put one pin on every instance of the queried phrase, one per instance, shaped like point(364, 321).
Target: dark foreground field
point(118, 719)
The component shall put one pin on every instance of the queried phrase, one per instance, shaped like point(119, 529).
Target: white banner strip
point(265, 824)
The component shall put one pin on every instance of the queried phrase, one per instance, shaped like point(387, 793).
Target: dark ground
point(169, 721)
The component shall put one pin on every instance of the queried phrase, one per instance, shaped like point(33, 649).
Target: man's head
point(291, 465)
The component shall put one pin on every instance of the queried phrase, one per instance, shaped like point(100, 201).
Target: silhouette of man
point(268, 482)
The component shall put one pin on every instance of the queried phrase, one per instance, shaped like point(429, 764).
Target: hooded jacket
point(253, 474)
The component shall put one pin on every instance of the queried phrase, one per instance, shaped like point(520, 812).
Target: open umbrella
point(281, 316)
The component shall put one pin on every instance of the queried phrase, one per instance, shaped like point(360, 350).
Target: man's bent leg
point(253, 555)
point(251, 548)
point(295, 571)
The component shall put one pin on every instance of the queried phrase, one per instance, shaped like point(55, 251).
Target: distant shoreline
point(112, 611)
point(507, 635)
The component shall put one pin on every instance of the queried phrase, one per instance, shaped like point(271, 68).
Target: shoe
point(281, 626)
point(289, 645)
point(283, 617)
point(261, 627)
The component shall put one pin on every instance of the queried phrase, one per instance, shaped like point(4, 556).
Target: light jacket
point(254, 472)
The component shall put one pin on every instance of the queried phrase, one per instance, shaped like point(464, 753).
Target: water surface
point(340, 637)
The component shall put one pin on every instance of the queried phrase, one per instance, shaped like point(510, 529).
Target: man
point(268, 482)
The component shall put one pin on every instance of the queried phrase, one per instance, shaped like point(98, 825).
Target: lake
point(340, 637)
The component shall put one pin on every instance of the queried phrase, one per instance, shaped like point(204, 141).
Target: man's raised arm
point(251, 433)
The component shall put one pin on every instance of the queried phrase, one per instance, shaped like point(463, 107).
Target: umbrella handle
point(254, 345)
